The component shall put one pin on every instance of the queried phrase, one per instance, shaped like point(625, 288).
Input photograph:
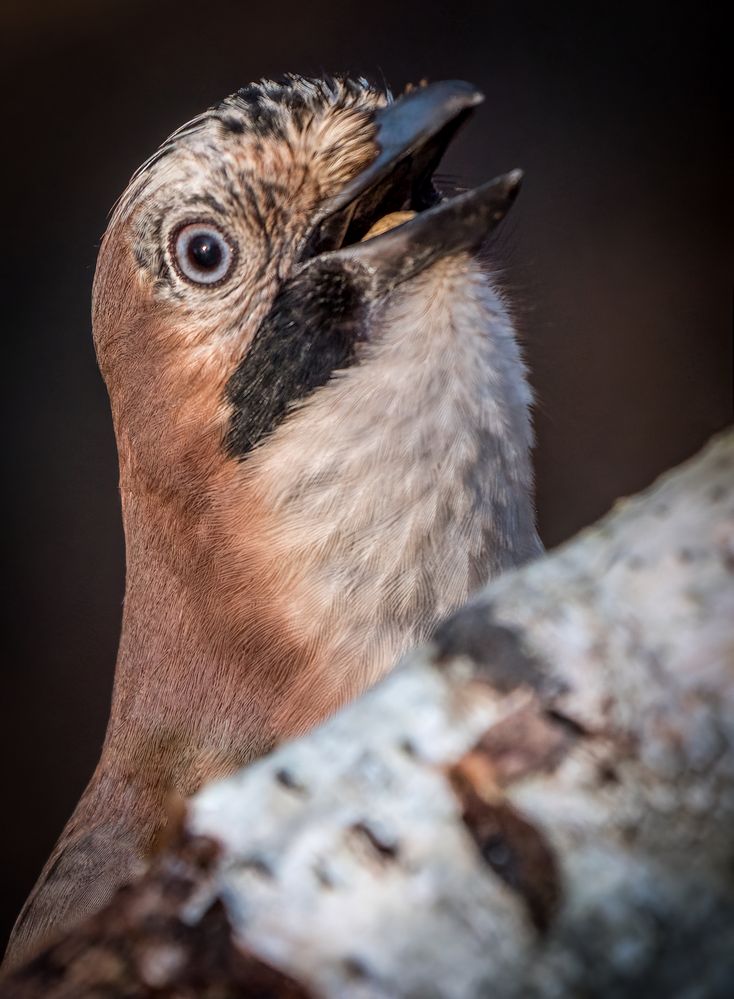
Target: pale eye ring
point(202, 253)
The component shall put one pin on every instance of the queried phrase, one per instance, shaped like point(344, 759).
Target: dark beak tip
point(459, 92)
point(444, 99)
point(513, 181)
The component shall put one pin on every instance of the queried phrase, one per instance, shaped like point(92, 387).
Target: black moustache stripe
point(311, 331)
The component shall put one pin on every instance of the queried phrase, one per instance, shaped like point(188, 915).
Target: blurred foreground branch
point(538, 804)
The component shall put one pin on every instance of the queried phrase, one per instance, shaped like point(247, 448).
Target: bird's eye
point(202, 253)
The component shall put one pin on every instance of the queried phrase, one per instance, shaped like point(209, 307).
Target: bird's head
point(234, 280)
point(332, 419)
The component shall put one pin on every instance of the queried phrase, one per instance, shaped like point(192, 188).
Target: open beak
point(323, 310)
point(412, 136)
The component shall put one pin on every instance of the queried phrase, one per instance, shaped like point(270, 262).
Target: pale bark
point(538, 804)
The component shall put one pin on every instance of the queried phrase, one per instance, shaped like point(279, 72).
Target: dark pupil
point(205, 251)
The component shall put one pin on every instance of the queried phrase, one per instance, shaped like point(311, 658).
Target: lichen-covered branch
point(538, 804)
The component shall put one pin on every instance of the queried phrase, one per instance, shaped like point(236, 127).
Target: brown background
point(617, 257)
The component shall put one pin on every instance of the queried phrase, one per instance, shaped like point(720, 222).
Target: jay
point(322, 419)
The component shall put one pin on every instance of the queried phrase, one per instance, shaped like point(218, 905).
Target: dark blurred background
point(617, 257)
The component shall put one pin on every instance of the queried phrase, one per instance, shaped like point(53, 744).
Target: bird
point(323, 423)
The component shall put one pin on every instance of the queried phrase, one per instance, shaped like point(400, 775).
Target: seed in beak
point(388, 222)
